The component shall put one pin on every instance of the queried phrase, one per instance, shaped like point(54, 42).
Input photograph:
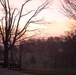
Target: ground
point(4, 71)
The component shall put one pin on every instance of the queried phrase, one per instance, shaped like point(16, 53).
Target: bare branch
point(27, 13)
point(21, 13)
point(10, 23)
point(39, 9)
point(36, 21)
point(20, 18)
point(2, 3)
point(69, 8)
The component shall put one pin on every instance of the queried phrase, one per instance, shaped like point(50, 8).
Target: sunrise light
point(38, 37)
point(58, 22)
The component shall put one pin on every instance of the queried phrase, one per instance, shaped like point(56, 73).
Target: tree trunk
point(6, 57)
point(11, 56)
point(20, 62)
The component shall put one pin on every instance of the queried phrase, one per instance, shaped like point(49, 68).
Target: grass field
point(44, 72)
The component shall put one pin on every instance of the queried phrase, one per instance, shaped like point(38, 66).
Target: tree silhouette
point(32, 60)
point(70, 47)
point(10, 22)
point(69, 8)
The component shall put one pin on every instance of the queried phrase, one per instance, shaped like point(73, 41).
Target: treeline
point(61, 51)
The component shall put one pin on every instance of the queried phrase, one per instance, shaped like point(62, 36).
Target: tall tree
point(69, 9)
point(10, 23)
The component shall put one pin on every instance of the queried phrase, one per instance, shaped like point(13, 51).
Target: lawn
point(45, 72)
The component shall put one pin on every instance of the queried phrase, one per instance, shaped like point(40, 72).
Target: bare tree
point(10, 22)
point(69, 8)
point(20, 54)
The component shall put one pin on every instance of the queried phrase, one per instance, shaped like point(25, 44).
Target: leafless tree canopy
point(69, 8)
point(9, 29)
point(10, 24)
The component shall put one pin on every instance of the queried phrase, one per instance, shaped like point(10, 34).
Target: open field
point(44, 72)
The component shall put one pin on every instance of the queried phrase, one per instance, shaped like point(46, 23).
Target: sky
point(58, 22)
